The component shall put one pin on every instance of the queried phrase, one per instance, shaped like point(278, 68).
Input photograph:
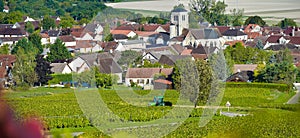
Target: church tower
point(179, 21)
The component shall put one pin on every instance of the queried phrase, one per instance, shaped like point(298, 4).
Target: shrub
point(279, 87)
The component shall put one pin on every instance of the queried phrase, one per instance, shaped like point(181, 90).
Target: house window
point(183, 17)
point(142, 81)
point(175, 18)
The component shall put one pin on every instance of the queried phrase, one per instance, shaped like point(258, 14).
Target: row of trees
point(196, 80)
point(30, 67)
point(200, 81)
point(214, 13)
point(279, 69)
point(241, 54)
point(273, 67)
point(94, 78)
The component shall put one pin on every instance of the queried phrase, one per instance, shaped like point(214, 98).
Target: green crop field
point(268, 115)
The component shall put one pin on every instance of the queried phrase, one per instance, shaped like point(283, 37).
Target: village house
point(111, 47)
point(253, 31)
point(88, 46)
point(137, 45)
point(110, 66)
point(45, 38)
point(275, 40)
point(128, 33)
point(242, 73)
point(6, 9)
point(12, 32)
point(11, 35)
point(120, 37)
point(53, 35)
point(144, 77)
point(272, 30)
point(244, 67)
point(207, 37)
point(243, 76)
point(171, 59)
point(6, 66)
point(295, 40)
point(146, 36)
point(151, 56)
point(60, 68)
point(68, 41)
point(234, 34)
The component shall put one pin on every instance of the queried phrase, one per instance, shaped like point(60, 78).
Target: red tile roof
point(124, 32)
point(253, 35)
point(44, 35)
point(163, 81)
point(150, 27)
point(67, 38)
point(231, 43)
point(295, 40)
point(222, 29)
point(166, 27)
point(244, 67)
point(186, 52)
point(126, 27)
point(274, 39)
point(12, 31)
point(147, 72)
point(83, 44)
point(107, 46)
point(6, 60)
point(145, 34)
point(250, 27)
point(200, 56)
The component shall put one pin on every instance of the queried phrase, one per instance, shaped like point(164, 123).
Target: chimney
point(293, 31)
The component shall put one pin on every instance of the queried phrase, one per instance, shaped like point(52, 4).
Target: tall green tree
point(259, 44)
point(67, 22)
point(128, 57)
point(193, 79)
point(26, 45)
point(246, 55)
point(48, 23)
point(43, 70)
point(237, 17)
point(186, 79)
point(13, 17)
point(201, 7)
point(29, 27)
point(35, 39)
point(217, 14)
point(1, 5)
point(220, 65)
point(24, 73)
point(282, 70)
point(286, 22)
point(109, 38)
point(106, 31)
point(255, 20)
point(211, 11)
point(58, 51)
point(4, 49)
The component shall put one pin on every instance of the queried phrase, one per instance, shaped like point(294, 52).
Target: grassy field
point(278, 9)
point(145, 12)
point(59, 108)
